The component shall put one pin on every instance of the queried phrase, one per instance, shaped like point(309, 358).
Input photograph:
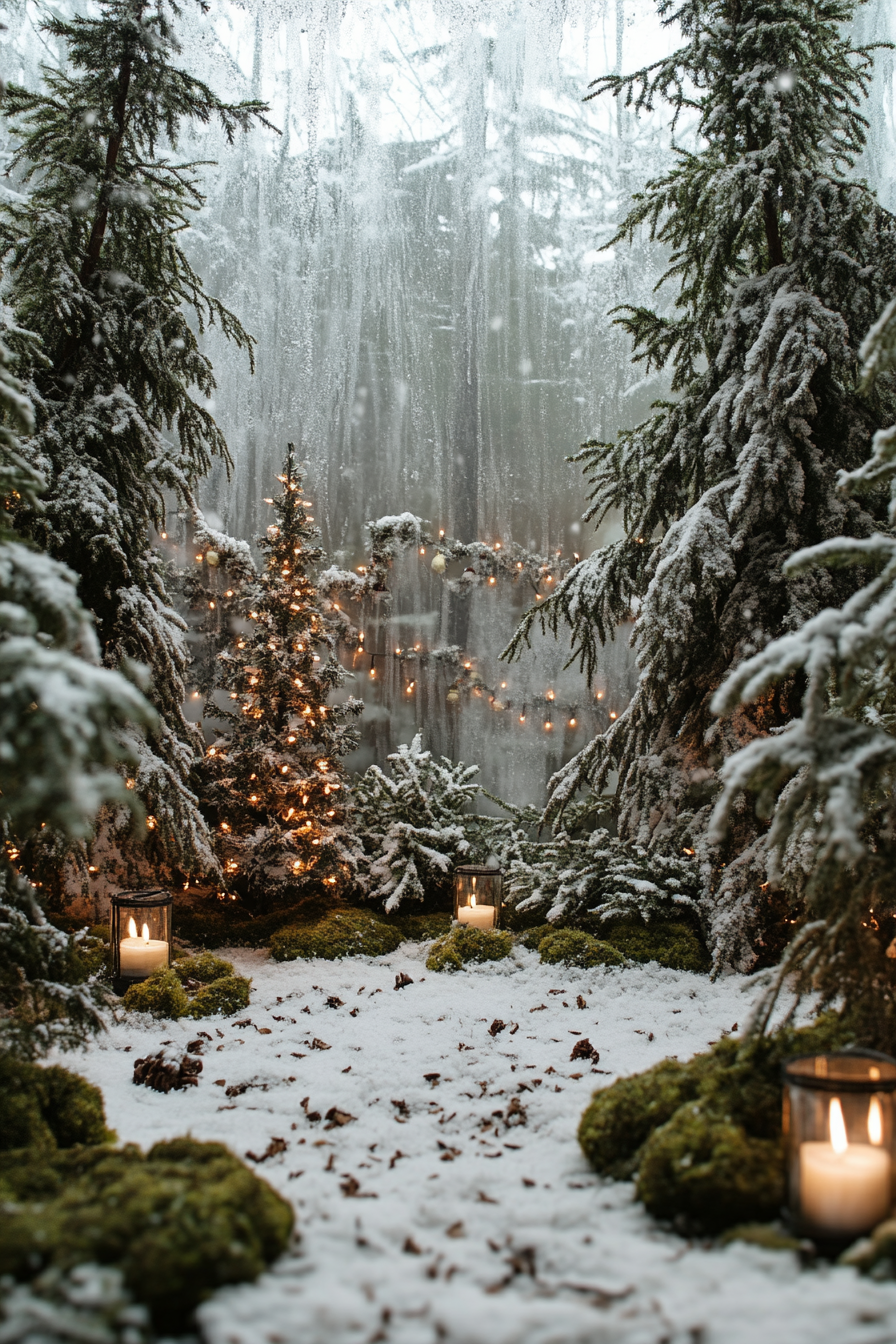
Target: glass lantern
point(141, 933)
point(477, 896)
point(839, 1131)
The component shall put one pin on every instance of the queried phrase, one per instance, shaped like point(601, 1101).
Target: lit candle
point(845, 1187)
point(477, 916)
point(139, 956)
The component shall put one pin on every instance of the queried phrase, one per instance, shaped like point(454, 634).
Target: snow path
point(453, 1208)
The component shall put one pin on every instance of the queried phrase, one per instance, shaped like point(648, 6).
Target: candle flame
point(875, 1122)
point(473, 898)
point(132, 928)
point(144, 934)
point(839, 1141)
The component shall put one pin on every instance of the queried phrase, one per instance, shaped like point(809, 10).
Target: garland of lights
point(397, 535)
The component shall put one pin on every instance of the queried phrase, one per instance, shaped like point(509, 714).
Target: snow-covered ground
point(455, 1204)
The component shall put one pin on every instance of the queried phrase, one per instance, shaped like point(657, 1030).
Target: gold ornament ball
point(212, 558)
point(453, 696)
point(439, 564)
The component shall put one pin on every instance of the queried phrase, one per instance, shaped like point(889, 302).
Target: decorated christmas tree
point(779, 260)
point(96, 269)
point(274, 781)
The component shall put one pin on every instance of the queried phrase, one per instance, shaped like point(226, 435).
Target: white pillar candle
point(477, 916)
point(139, 957)
point(845, 1187)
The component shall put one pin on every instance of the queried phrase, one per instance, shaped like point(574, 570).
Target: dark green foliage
point(204, 967)
point(572, 947)
point(703, 1139)
point(179, 1222)
point(673, 945)
point(95, 268)
point(273, 782)
point(780, 260)
point(344, 933)
point(533, 938)
point(211, 923)
point(464, 946)
point(221, 998)
point(703, 1171)
point(421, 928)
point(48, 1107)
point(162, 994)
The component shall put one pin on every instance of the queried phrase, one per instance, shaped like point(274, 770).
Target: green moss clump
point(705, 1171)
point(674, 945)
point(621, 1118)
point(162, 994)
point(572, 947)
point(769, 1236)
point(179, 1222)
point(533, 938)
point(704, 1138)
point(222, 998)
point(344, 933)
point(464, 945)
point(48, 1107)
point(206, 967)
point(422, 928)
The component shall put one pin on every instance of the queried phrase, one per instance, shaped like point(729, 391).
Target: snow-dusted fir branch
point(64, 728)
point(94, 265)
point(780, 260)
point(828, 780)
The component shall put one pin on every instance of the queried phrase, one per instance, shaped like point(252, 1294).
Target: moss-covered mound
point(534, 937)
point(205, 967)
point(179, 1222)
point(222, 998)
point(464, 945)
point(210, 923)
point(216, 991)
point(344, 933)
point(675, 945)
point(422, 928)
point(703, 1139)
point(572, 947)
point(48, 1107)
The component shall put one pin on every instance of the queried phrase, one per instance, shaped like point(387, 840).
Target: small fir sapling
point(61, 722)
point(828, 780)
point(412, 825)
point(781, 259)
point(94, 266)
point(273, 781)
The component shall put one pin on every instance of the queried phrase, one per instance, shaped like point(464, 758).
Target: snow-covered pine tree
point(274, 781)
point(411, 824)
point(781, 260)
point(94, 266)
point(829, 778)
point(60, 744)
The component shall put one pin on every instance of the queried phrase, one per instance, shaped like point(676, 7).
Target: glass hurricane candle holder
point(141, 933)
point(839, 1131)
point(477, 896)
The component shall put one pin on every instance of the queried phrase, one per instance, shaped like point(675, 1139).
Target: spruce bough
point(96, 269)
point(781, 261)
